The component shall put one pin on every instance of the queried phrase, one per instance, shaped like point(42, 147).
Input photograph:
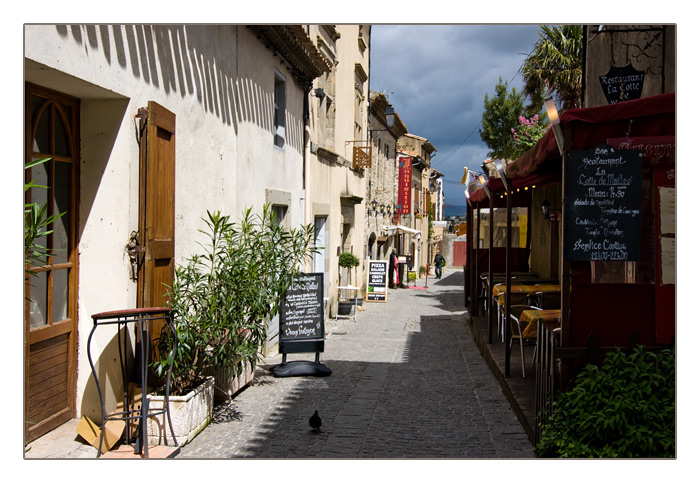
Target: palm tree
point(554, 67)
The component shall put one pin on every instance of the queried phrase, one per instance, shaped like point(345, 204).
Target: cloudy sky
point(436, 77)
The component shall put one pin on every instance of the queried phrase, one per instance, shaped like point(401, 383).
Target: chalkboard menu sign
point(301, 313)
point(377, 281)
point(602, 205)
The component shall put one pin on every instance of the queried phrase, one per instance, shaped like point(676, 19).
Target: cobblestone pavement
point(407, 382)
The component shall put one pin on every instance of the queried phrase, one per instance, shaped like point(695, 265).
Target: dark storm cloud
point(436, 77)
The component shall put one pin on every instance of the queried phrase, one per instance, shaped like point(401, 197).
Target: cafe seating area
point(535, 302)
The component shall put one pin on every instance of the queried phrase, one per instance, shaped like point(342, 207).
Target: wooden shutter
point(157, 205)
point(156, 211)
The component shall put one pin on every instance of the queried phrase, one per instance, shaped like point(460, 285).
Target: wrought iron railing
point(546, 375)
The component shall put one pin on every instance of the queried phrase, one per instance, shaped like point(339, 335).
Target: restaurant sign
point(362, 157)
point(622, 84)
point(301, 314)
point(602, 205)
point(404, 185)
point(377, 281)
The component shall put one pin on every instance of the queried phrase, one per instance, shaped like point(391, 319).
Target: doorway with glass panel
point(51, 281)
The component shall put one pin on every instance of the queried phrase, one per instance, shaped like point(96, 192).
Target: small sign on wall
point(622, 84)
point(362, 157)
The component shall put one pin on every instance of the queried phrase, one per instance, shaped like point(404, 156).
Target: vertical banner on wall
point(404, 185)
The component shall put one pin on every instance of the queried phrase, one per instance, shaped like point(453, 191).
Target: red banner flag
point(404, 185)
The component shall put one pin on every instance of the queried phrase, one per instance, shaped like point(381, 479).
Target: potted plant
point(37, 224)
point(222, 299)
point(412, 277)
point(347, 261)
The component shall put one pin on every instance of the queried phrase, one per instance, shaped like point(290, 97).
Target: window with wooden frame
point(54, 123)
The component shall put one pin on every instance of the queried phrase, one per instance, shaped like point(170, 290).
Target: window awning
point(391, 230)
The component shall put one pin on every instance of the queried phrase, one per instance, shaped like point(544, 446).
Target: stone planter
point(189, 413)
point(230, 385)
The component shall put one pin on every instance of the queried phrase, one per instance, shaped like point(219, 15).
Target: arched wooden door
point(51, 283)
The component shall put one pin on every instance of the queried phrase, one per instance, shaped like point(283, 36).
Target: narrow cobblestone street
point(407, 382)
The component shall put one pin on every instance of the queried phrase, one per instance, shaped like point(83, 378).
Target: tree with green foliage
point(555, 67)
point(501, 114)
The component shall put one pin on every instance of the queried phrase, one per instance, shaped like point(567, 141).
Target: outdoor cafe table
point(550, 318)
point(499, 291)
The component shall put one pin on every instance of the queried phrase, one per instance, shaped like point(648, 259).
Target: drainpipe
point(307, 164)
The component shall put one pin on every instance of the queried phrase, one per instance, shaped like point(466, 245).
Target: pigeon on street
point(315, 422)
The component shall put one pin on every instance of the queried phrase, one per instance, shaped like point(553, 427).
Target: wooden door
point(156, 206)
point(51, 291)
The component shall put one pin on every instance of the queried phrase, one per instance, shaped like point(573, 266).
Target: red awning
point(649, 116)
point(592, 126)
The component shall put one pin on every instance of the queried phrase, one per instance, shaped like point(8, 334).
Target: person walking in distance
point(439, 262)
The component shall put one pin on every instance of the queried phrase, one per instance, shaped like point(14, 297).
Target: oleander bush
point(223, 297)
point(623, 409)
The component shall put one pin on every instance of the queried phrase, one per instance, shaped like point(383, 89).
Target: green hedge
point(623, 409)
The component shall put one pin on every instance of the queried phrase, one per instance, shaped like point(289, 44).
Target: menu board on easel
point(602, 205)
point(377, 281)
point(301, 315)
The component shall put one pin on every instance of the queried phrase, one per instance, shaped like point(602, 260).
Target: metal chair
point(546, 300)
point(516, 332)
point(515, 299)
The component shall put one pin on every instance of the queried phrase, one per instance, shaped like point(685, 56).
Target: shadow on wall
point(107, 365)
point(189, 60)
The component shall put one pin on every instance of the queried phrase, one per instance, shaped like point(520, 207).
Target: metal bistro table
point(142, 318)
point(340, 292)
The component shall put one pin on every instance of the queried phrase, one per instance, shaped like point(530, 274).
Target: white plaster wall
point(223, 160)
point(262, 165)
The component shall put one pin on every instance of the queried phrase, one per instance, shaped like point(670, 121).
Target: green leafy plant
point(348, 260)
point(625, 408)
point(36, 225)
point(222, 298)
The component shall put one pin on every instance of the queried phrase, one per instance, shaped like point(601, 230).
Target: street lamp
point(553, 116)
point(502, 173)
point(546, 207)
point(483, 181)
point(390, 115)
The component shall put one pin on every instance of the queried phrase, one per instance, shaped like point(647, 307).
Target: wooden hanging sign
point(362, 157)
